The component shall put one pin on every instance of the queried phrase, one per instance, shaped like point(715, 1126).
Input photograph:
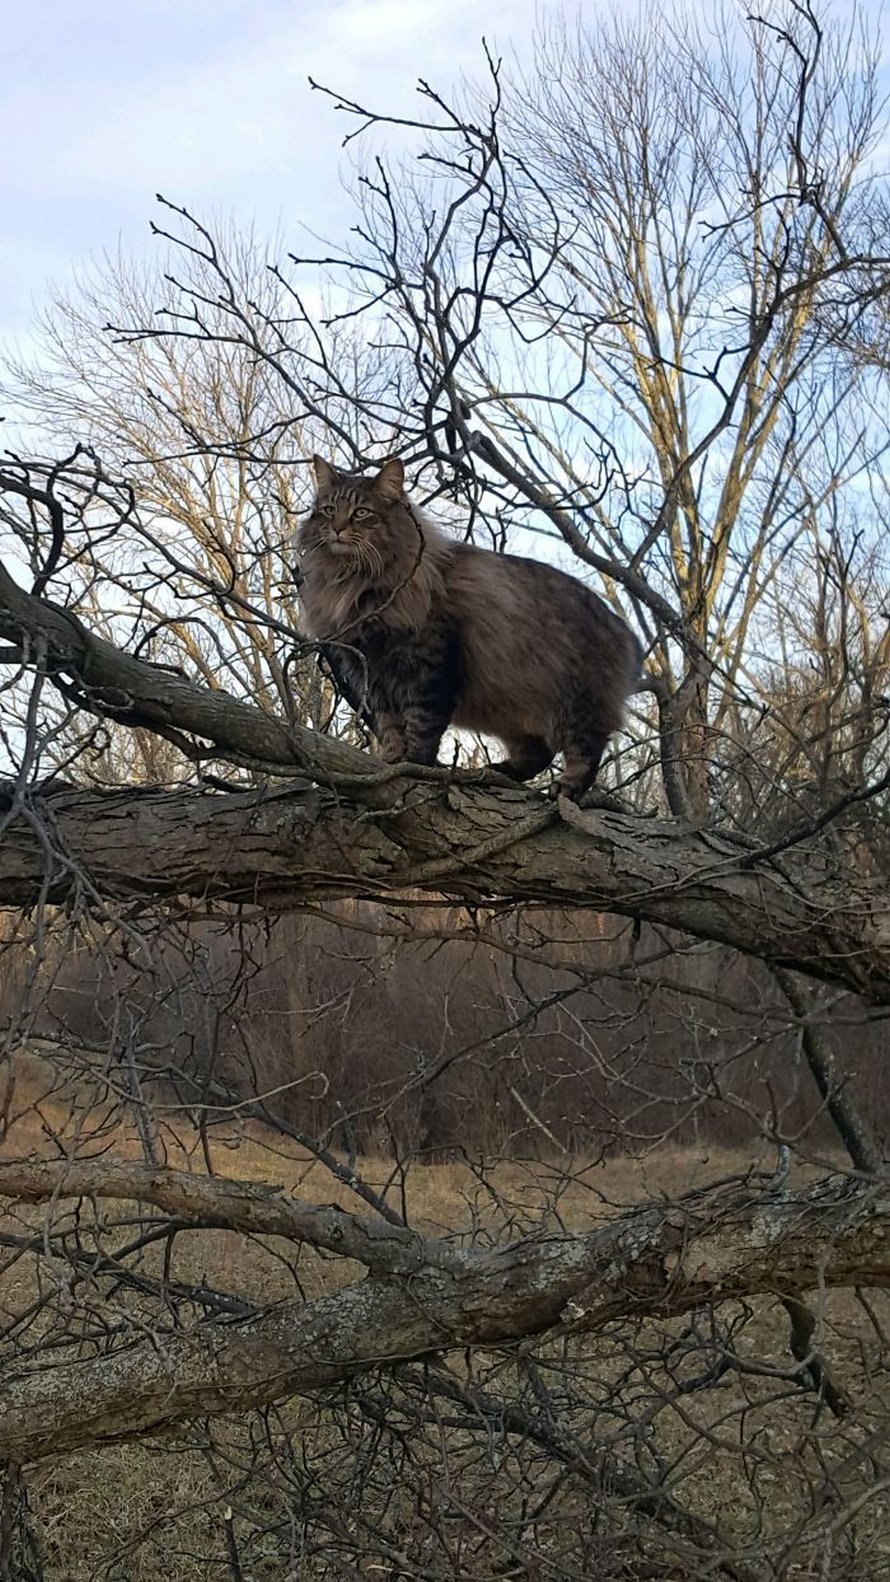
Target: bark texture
point(706, 1248)
point(280, 850)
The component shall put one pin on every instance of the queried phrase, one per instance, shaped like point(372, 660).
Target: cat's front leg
point(424, 729)
point(416, 689)
point(390, 732)
point(414, 740)
point(430, 693)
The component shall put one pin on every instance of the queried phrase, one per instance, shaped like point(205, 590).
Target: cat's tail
point(637, 680)
point(618, 673)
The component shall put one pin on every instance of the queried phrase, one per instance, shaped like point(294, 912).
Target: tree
point(202, 573)
point(640, 272)
point(533, 1384)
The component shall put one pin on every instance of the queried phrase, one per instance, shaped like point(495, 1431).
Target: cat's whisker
point(372, 558)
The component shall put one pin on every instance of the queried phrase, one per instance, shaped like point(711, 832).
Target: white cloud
point(208, 102)
point(245, 118)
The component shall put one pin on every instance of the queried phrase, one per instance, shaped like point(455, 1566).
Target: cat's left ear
point(390, 480)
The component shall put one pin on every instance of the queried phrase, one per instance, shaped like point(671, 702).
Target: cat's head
point(362, 537)
point(360, 522)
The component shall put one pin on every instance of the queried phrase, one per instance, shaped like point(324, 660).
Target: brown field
point(132, 1513)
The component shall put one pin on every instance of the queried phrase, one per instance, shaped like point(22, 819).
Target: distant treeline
point(555, 1032)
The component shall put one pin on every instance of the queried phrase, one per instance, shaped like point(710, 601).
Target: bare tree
point(406, 1172)
point(205, 432)
point(638, 273)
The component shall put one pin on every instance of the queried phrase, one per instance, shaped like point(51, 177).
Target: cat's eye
point(361, 514)
point(327, 509)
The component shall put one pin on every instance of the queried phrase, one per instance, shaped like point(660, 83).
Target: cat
point(423, 632)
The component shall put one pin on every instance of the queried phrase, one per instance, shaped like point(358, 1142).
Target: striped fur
point(424, 632)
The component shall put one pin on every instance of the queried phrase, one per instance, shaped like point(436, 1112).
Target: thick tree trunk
point(282, 849)
point(666, 1259)
point(366, 831)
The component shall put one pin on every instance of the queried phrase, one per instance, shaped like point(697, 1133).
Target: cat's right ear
point(324, 475)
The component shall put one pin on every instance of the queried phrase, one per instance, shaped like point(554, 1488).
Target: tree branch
point(249, 1207)
point(237, 1206)
point(709, 1247)
point(113, 684)
point(279, 850)
point(434, 831)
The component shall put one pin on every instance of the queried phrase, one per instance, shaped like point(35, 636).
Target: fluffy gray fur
point(424, 632)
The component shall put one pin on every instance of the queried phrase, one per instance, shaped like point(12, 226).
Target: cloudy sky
point(106, 102)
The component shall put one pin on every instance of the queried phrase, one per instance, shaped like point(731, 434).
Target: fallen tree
point(424, 1296)
point(363, 830)
point(279, 849)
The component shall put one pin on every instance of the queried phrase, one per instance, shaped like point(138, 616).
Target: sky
point(107, 102)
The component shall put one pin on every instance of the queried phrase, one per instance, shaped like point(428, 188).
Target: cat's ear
point(325, 475)
point(390, 480)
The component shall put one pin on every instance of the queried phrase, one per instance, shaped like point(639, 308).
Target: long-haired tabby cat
point(424, 632)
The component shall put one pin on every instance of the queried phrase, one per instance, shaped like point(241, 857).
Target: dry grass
point(132, 1513)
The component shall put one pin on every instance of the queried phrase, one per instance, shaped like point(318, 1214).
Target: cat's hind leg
point(527, 757)
point(583, 749)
